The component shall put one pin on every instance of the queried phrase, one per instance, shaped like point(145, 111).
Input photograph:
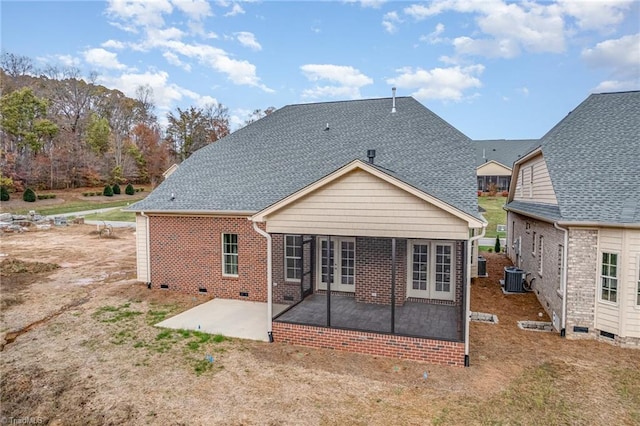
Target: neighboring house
point(329, 211)
point(494, 159)
point(574, 219)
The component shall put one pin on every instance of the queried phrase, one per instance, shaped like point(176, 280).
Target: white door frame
point(341, 281)
point(431, 290)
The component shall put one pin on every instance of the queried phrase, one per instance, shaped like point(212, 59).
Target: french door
point(431, 270)
point(337, 266)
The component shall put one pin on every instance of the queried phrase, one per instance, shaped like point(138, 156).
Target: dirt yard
point(79, 348)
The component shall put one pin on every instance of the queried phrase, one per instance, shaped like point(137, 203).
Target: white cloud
point(434, 36)
point(491, 48)
point(139, 12)
point(439, 83)
point(164, 93)
point(344, 75)
point(248, 39)
point(236, 9)
point(506, 29)
point(194, 9)
point(173, 59)
point(113, 44)
point(622, 54)
point(524, 91)
point(103, 58)
point(348, 81)
point(68, 60)
point(238, 71)
point(622, 57)
point(389, 21)
point(374, 4)
point(596, 15)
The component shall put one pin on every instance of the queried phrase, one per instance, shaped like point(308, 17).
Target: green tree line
point(62, 130)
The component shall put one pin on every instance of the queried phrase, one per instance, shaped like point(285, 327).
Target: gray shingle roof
point(545, 211)
point(504, 151)
point(593, 157)
point(290, 148)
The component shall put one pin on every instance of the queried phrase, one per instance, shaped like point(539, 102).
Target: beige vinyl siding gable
point(142, 248)
point(493, 168)
point(542, 189)
point(361, 204)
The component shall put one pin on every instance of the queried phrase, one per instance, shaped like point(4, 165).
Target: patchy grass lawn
point(114, 215)
point(89, 354)
point(494, 214)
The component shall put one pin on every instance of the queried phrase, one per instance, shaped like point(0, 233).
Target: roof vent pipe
point(371, 154)
point(393, 105)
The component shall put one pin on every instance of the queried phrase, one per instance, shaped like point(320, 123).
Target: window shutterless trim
point(229, 254)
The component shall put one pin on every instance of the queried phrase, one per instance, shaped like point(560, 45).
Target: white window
point(531, 181)
point(293, 257)
point(609, 277)
point(541, 254)
point(230, 254)
point(560, 267)
point(533, 244)
point(431, 270)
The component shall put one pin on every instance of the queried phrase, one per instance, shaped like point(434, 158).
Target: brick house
point(574, 220)
point(353, 220)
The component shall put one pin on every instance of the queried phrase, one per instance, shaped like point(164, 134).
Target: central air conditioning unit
point(513, 279)
point(482, 267)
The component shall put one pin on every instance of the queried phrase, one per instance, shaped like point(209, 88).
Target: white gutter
point(146, 225)
point(269, 281)
point(565, 252)
point(468, 293)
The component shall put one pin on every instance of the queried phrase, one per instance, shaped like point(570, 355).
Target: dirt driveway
point(80, 348)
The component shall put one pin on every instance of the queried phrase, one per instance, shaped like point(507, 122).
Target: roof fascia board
point(217, 213)
point(531, 215)
point(359, 164)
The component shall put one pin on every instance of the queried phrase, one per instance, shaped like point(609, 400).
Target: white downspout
point(468, 293)
point(146, 225)
point(269, 281)
point(565, 252)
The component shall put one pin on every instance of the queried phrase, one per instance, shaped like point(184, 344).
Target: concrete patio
point(231, 318)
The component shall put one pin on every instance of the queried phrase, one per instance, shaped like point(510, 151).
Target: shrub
point(46, 196)
point(505, 193)
point(4, 194)
point(29, 196)
point(116, 189)
point(479, 193)
point(108, 191)
point(85, 194)
point(493, 189)
point(497, 247)
point(129, 190)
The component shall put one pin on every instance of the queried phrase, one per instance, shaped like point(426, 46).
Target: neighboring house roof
point(593, 158)
point(297, 145)
point(503, 151)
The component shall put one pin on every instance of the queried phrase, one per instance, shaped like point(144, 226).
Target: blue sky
point(493, 69)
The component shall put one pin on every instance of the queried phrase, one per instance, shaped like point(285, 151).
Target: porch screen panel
point(420, 266)
point(348, 262)
point(443, 268)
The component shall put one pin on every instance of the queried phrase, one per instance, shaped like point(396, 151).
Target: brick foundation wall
point(186, 255)
point(402, 347)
